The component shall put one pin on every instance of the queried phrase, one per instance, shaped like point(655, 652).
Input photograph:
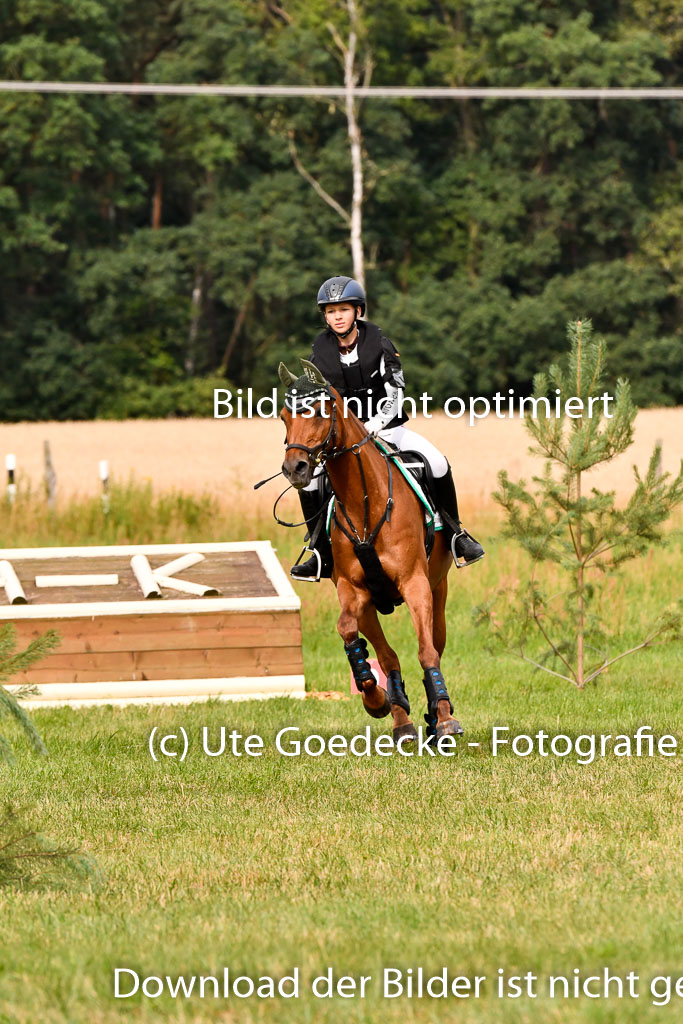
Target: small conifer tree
point(12, 662)
point(29, 858)
point(576, 527)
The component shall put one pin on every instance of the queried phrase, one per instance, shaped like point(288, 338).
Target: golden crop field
point(226, 457)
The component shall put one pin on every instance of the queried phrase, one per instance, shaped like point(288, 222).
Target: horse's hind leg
point(390, 665)
point(353, 601)
point(439, 595)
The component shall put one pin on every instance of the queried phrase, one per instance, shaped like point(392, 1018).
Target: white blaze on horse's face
point(304, 438)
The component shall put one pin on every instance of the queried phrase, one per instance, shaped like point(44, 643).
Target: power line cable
point(374, 92)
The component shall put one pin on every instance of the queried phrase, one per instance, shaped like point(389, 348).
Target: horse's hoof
point(379, 712)
point(406, 732)
point(451, 727)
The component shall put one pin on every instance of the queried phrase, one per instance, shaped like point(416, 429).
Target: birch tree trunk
point(353, 218)
point(195, 317)
point(350, 78)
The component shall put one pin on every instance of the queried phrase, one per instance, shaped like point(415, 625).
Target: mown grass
point(263, 864)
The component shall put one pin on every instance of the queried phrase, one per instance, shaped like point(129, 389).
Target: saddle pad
point(414, 484)
point(429, 513)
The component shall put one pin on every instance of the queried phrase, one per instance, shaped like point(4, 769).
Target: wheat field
point(226, 457)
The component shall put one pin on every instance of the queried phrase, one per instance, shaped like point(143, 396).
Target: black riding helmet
point(341, 289)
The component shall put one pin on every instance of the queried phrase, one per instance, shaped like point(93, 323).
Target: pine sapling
point(577, 528)
point(11, 663)
point(29, 858)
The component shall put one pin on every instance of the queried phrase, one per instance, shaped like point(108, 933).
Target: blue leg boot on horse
point(357, 653)
point(396, 693)
point(435, 688)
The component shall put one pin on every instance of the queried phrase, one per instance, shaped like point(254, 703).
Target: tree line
point(153, 247)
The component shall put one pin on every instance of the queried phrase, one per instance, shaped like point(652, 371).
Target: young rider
point(360, 362)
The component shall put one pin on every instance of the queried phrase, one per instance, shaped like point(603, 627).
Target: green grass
point(263, 864)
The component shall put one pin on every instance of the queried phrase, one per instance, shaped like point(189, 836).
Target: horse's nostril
point(297, 471)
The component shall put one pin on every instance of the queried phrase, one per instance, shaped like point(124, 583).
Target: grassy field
point(473, 863)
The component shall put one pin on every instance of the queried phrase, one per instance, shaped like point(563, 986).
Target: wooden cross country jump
point(164, 623)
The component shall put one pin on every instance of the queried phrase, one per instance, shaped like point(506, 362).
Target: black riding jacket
point(378, 365)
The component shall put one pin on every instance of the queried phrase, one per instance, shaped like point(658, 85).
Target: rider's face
point(340, 316)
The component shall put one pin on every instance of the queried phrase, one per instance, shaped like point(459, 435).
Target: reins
point(319, 455)
point(322, 453)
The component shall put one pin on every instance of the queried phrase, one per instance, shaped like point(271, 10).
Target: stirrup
point(462, 563)
point(319, 566)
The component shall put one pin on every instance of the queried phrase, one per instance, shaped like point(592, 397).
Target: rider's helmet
point(341, 289)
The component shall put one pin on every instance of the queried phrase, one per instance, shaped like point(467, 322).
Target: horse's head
point(309, 416)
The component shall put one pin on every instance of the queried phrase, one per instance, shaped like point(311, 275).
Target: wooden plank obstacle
point(155, 623)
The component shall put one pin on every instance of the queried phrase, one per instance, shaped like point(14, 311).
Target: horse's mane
point(349, 416)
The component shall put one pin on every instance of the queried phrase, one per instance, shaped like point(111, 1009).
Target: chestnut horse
point(376, 511)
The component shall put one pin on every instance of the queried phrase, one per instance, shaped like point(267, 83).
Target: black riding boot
point(465, 549)
point(319, 565)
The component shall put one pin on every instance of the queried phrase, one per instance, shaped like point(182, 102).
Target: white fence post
point(50, 476)
point(104, 477)
point(10, 466)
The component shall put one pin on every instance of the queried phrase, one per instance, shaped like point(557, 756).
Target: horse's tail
point(376, 579)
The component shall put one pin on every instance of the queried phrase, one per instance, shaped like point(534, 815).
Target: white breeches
point(410, 441)
point(405, 440)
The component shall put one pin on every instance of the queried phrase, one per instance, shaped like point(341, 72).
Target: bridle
point(321, 453)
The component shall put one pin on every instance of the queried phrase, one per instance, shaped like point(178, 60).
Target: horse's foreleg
point(353, 603)
point(390, 665)
point(418, 596)
point(428, 614)
point(347, 623)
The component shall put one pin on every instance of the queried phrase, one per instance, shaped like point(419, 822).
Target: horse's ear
point(285, 375)
point(312, 372)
